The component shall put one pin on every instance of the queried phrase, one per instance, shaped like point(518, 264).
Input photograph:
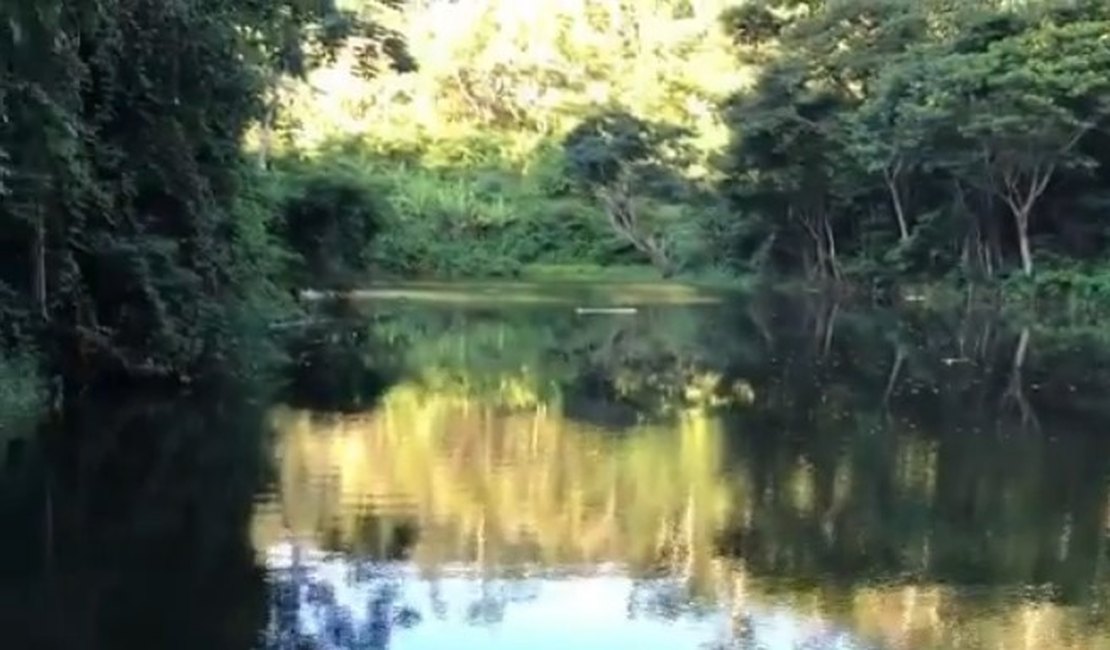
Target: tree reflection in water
point(123, 527)
point(781, 464)
point(765, 472)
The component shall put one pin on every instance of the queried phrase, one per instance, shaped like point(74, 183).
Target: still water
point(489, 468)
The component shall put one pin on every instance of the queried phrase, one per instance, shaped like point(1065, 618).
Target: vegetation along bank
point(172, 171)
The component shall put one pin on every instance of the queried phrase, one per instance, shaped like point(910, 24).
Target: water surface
point(446, 467)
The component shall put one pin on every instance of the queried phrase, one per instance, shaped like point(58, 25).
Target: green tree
point(619, 158)
point(122, 126)
point(782, 161)
point(958, 123)
point(1023, 107)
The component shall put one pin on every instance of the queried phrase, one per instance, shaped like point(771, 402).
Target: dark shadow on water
point(128, 528)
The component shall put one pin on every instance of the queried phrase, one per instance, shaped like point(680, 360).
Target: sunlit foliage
point(470, 142)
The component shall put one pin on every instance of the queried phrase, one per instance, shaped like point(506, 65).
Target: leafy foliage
point(472, 142)
point(618, 157)
point(329, 222)
point(885, 139)
point(901, 138)
point(122, 171)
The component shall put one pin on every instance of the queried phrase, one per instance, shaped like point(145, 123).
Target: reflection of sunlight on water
point(445, 520)
point(336, 602)
point(481, 484)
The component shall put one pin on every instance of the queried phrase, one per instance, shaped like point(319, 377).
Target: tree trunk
point(1015, 390)
point(899, 210)
point(659, 257)
point(1021, 192)
point(1021, 220)
point(38, 266)
point(834, 263)
point(830, 329)
point(821, 262)
point(625, 221)
point(895, 373)
point(824, 261)
point(900, 213)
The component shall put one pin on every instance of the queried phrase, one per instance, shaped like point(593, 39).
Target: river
point(511, 466)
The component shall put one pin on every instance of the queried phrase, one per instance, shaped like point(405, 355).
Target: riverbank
point(1062, 295)
point(1054, 304)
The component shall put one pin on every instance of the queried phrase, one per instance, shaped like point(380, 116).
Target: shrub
point(330, 217)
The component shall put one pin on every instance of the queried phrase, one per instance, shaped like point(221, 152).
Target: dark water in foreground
point(494, 470)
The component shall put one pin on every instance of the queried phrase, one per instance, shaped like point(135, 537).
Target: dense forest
point(175, 175)
point(135, 240)
point(172, 170)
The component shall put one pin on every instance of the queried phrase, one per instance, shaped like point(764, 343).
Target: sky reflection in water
point(339, 603)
